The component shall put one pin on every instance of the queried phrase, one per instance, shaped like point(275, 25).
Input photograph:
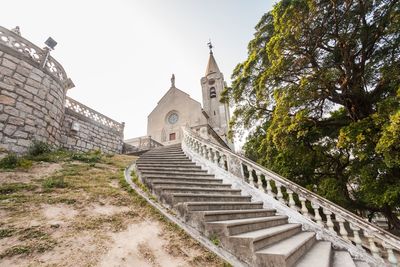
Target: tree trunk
point(394, 221)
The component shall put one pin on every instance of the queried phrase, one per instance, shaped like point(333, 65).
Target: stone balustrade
point(343, 228)
point(38, 55)
point(93, 115)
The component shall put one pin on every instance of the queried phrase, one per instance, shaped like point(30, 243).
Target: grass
point(215, 240)
point(9, 188)
point(85, 179)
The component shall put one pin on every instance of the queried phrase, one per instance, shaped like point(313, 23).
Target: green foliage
point(12, 161)
point(88, 157)
point(215, 240)
point(54, 182)
point(39, 148)
point(320, 94)
point(9, 188)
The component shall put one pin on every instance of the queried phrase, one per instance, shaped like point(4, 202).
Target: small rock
point(56, 225)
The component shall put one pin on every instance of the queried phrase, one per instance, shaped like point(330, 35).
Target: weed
point(88, 157)
point(16, 250)
point(32, 233)
point(54, 182)
point(6, 232)
point(215, 240)
point(12, 161)
point(15, 187)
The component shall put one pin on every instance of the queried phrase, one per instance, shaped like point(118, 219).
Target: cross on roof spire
point(210, 46)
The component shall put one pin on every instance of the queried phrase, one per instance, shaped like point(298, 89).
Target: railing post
point(251, 179)
point(329, 222)
point(259, 181)
point(342, 229)
point(356, 234)
point(292, 204)
point(372, 247)
point(216, 156)
point(304, 209)
point(269, 187)
point(391, 257)
point(317, 216)
point(279, 194)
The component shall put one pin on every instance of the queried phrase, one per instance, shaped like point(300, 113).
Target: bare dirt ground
point(80, 214)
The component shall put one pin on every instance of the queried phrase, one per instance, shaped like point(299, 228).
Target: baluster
point(216, 156)
point(259, 182)
point(292, 204)
point(391, 257)
point(209, 154)
point(279, 195)
point(269, 187)
point(317, 216)
point(224, 166)
point(342, 229)
point(205, 153)
point(221, 161)
point(356, 234)
point(329, 222)
point(304, 209)
point(372, 247)
point(251, 179)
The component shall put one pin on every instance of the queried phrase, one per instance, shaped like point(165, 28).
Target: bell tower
point(212, 85)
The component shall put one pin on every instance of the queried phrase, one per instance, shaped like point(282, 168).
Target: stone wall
point(34, 106)
point(80, 132)
point(31, 103)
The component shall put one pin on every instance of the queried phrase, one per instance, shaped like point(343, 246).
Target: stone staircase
point(255, 235)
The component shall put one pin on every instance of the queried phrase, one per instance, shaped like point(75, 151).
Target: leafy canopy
point(320, 94)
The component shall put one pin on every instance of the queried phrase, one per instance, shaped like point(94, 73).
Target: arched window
point(213, 93)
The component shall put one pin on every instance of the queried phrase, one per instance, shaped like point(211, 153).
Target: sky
point(121, 54)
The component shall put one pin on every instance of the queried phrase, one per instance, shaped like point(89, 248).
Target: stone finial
point(16, 30)
point(173, 80)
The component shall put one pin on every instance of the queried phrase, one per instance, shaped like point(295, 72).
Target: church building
point(176, 109)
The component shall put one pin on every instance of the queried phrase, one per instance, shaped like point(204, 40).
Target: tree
point(321, 84)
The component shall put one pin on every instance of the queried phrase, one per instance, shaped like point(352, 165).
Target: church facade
point(176, 109)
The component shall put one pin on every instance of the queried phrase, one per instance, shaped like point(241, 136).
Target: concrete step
point(239, 226)
point(167, 164)
point(223, 215)
point(194, 169)
point(244, 245)
point(162, 155)
point(150, 173)
point(342, 259)
point(165, 161)
point(193, 190)
point(208, 205)
point(163, 178)
point(286, 252)
point(163, 184)
point(184, 197)
point(319, 255)
point(261, 238)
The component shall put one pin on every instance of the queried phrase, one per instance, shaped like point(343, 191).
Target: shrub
point(12, 161)
point(9, 162)
point(39, 148)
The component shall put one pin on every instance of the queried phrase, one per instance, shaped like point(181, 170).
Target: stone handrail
point(93, 115)
point(141, 144)
point(33, 52)
point(365, 241)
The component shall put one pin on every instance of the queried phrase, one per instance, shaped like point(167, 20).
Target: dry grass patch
point(80, 212)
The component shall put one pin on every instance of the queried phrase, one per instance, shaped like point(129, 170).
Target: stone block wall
point(91, 135)
point(34, 105)
point(31, 103)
